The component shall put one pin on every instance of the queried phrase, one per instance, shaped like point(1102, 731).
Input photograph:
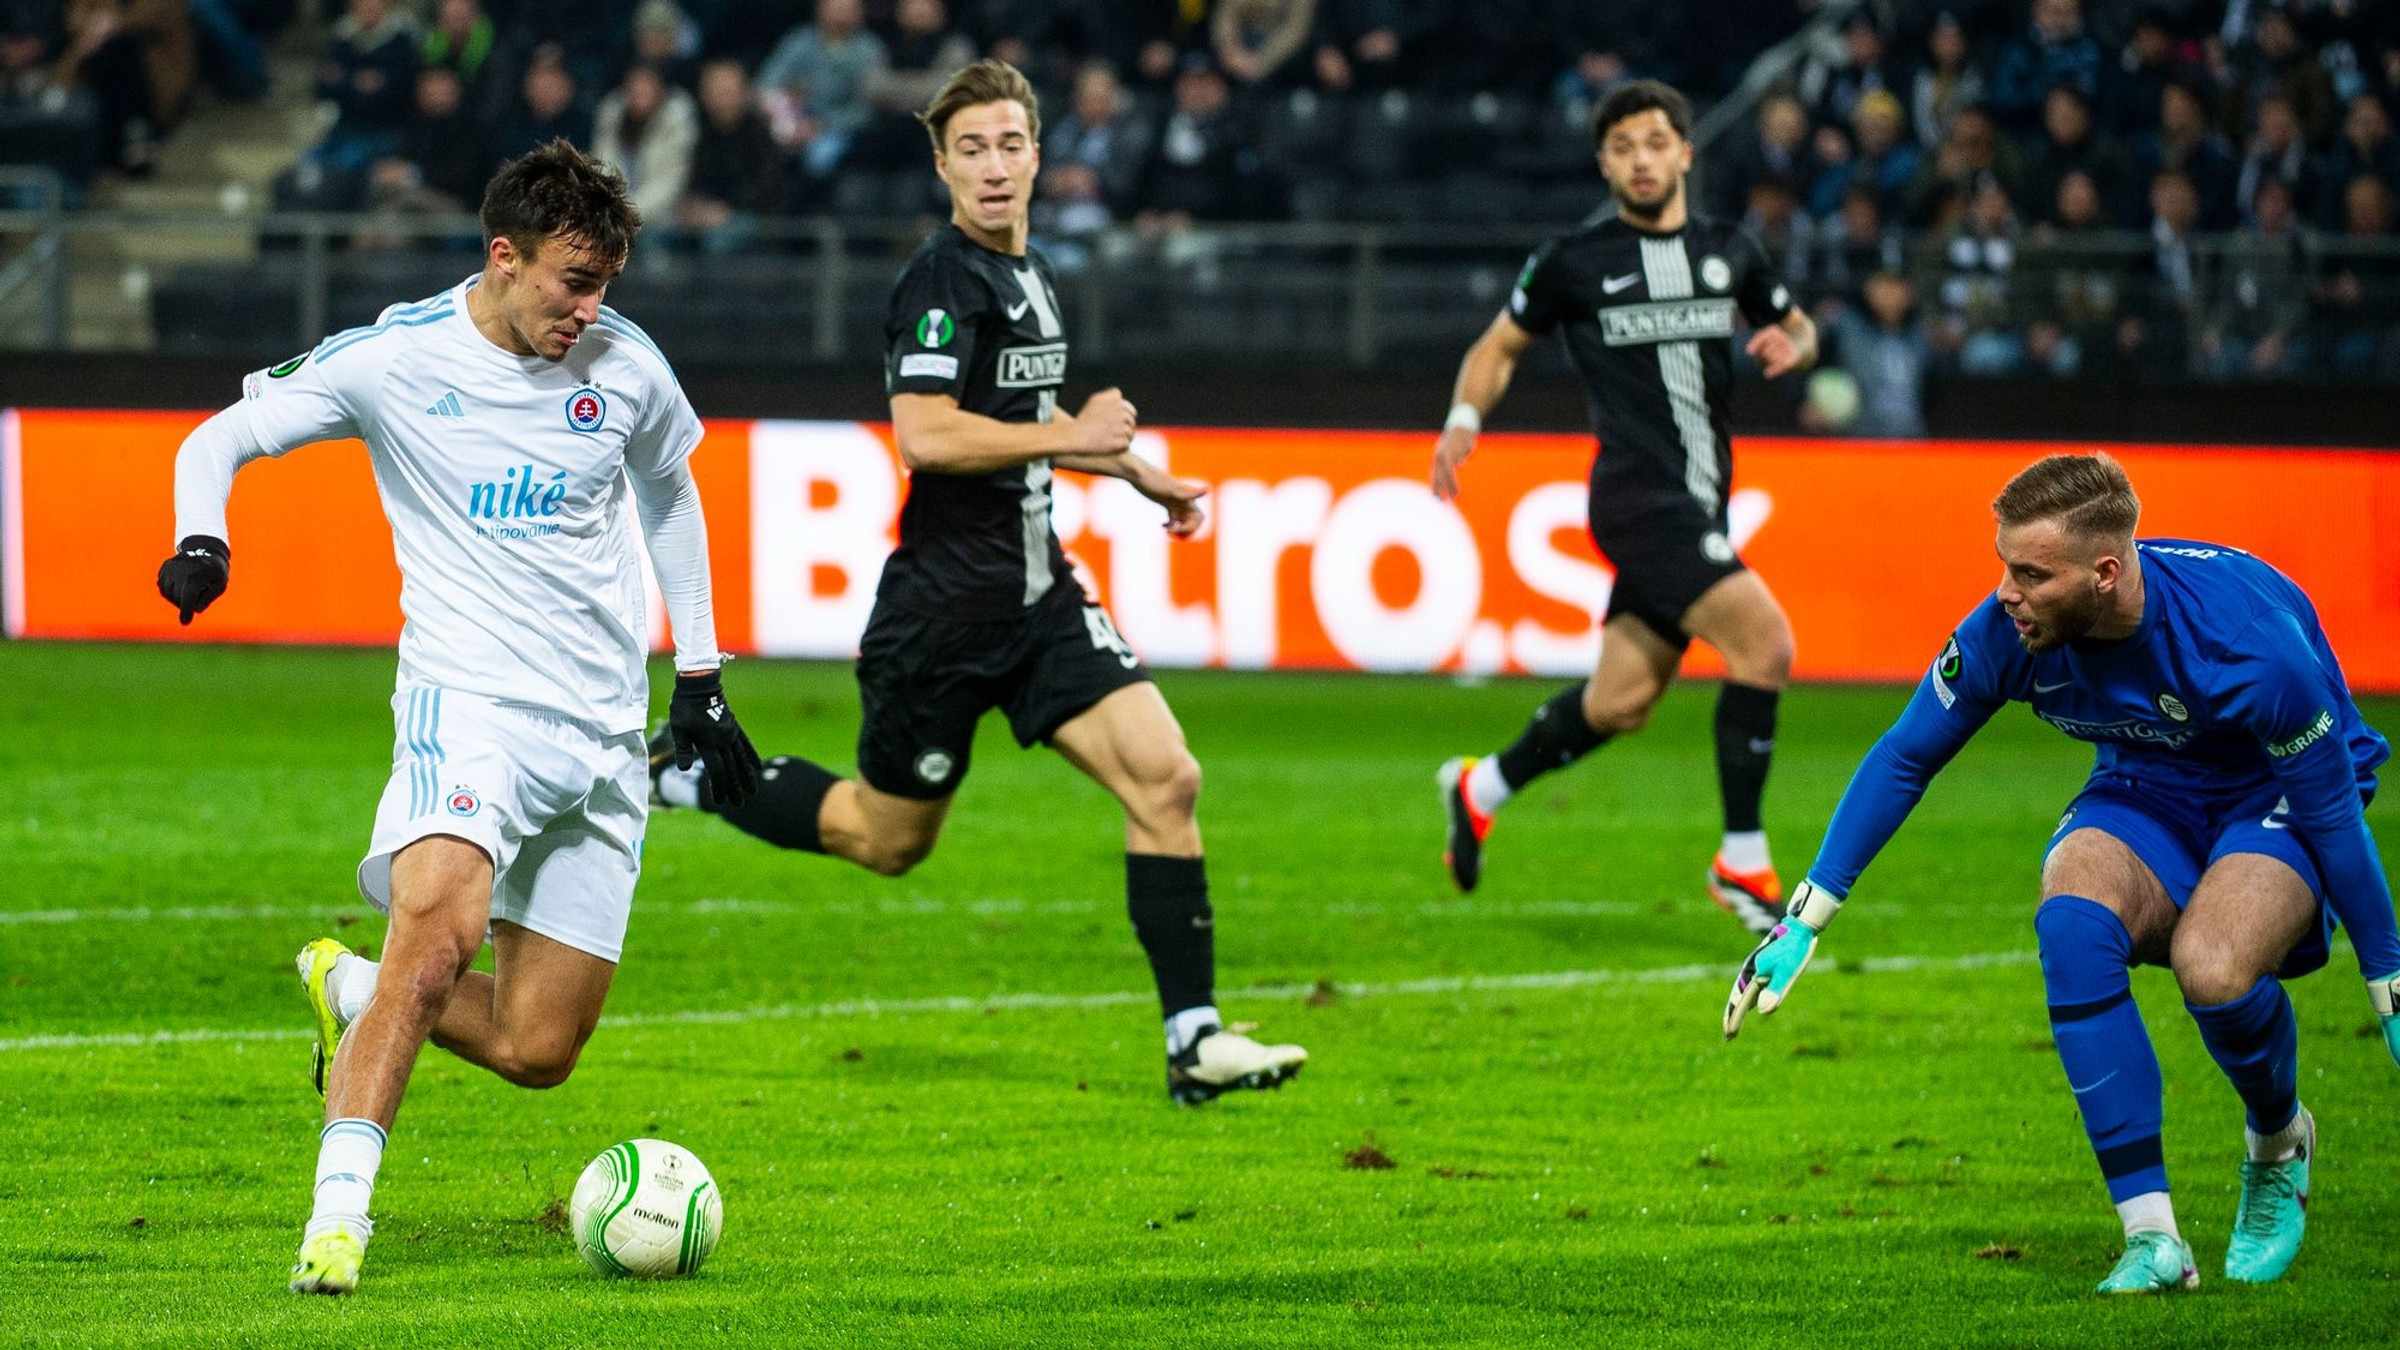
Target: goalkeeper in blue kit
point(2221, 833)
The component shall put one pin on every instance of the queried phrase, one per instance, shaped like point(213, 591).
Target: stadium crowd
point(2062, 186)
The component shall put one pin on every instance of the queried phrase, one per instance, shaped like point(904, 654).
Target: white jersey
point(505, 481)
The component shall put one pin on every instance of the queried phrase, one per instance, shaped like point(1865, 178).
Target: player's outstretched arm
point(1786, 346)
point(699, 721)
point(1948, 708)
point(202, 565)
point(1483, 378)
point(935, 435)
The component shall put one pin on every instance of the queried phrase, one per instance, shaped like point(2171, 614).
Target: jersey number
point(1105, 637)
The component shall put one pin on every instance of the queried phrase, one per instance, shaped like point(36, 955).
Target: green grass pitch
point(935, 1105)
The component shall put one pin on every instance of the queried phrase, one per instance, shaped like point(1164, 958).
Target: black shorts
point(1667, 550)
point(924, 681)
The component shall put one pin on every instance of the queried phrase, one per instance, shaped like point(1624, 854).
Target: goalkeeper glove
point(193, 579)
point(703, 728)
point(1765, 979)
point(2384, 993)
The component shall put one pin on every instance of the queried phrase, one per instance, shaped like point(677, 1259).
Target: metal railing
point(811, 292)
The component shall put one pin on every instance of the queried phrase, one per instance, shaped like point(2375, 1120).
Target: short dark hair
point(989, 80)
point(558, 192)
point(2088, 495)
point(1636, 97)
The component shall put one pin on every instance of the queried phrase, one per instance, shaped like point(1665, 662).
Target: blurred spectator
point(369, 76)
point(2070, 144)
point(667, 40)
point(2366, 146)
point(591, 38)
point(1092, 160)
point(1612, 41)
point(1856, 242)
point(746, 30)
point(1195, 171)
point(2261, 294)
point(2145, 66)
point(2155, 333)
point(137, 59)
point(1945, 83)
point(1885, 161)
point(2073, 279)
point(2275, 65)
point(648, 128)
point(737, 174)
point(465, 41)
point(232, 38)
point(815, 85)
point(2276, 152)
point(444, 161)
point(1973, 153)
point(2185, 143)
point(1773, 213)
point(1886, 350)
point(1978, 290)
point(925, 50)
point(1372, 44)
point(41, 122)
point(1832, 89)
point(1253, 39)
point(2360, 295)
point(2053, 50)
point(548, 106)
point(1777, 148)
point(1509, 47)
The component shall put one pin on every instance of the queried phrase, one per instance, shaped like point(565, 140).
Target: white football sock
point(2282, 1145)
point(350, 984)
point(679, 787)
point(2151, 1211)
point(1746, 851)
point(1487, 787)
point(348, 1153)
point(1185, 1027)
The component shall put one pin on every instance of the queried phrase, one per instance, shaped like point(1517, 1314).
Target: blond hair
point(2087, 495)
point(987, 81)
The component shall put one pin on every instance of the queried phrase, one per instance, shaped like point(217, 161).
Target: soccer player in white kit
point(516, 428)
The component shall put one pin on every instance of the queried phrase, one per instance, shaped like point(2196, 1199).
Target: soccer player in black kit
point(1646, 299)
point(978, 608)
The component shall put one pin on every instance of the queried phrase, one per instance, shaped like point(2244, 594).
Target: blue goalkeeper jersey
point(2227, 687)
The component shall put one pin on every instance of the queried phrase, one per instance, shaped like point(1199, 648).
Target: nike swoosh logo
point(1612, 285)
point(1017, 310)
point(2273, 824)
point(2041, 688)
point(2079, 1091)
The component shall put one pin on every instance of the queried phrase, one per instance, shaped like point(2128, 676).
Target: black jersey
point(982, 327)
point(1647, 320)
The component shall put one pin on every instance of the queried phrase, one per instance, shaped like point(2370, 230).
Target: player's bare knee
point(1617, 714)
point(896, 857)
point(1170, 790)
point(2208, 972)
point(543, 1067)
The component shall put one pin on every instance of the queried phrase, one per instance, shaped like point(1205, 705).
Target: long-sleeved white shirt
point(507, 481)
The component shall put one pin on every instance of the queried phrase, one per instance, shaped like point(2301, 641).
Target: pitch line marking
point(963, 1003)
point(733, 905)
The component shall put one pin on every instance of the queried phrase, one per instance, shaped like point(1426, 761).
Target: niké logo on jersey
point(517, 496)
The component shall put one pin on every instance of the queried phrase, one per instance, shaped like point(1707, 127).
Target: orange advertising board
point(1323, 549)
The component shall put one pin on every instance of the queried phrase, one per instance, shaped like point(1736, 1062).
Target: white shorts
point(559, 806)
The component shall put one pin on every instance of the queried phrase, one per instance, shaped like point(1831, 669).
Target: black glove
point(703, 728)
point(196, 575)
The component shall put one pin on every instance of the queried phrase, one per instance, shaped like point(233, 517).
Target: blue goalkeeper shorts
point(2178, 836)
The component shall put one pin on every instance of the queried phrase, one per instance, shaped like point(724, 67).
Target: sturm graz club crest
point(2173, 708)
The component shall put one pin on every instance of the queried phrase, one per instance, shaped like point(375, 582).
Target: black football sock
point(1168, 901)
point(784, 809)
point(1745, 747)
point(1555, 738)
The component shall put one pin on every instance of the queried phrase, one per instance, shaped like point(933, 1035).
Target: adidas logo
point(447, 406)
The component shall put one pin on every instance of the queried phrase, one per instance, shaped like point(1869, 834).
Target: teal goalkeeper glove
point(1765, 980)
point(2384, 993)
